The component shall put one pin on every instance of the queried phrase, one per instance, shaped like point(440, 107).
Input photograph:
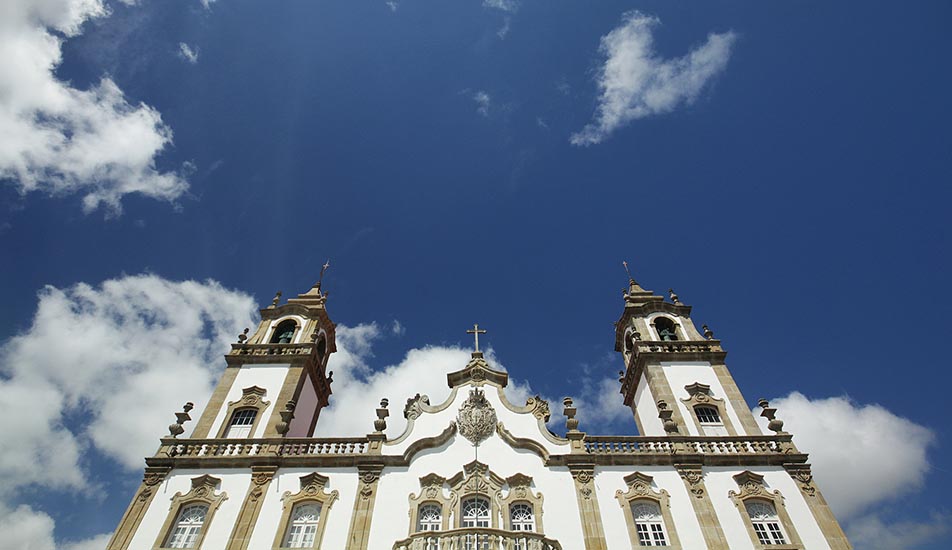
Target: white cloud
point(187, 53)
point(483, 102)
point(636, 83)
point(61, 140)
point(861, 454)
point(502, 5)
point(393, 5)
point(107, 367)
point(397, 328)
point(872, 533)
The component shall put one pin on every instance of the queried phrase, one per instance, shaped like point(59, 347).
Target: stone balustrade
point(255, 350)
point(476, 538)
point(678, 346)
point(270, 447)
point(717, 445)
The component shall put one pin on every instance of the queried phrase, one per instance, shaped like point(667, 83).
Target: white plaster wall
point(719, 482)
point(520, 425)
point(647, 409)
point(270, 377)
point(684, 374)
point(305, 410)
point(344, 480)
point(560, 514)
point(610, 479)
point(234, 483)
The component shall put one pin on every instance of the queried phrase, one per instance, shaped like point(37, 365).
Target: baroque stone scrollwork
point(251, 398)
point(640, 489)
point(700, 394)
point(476, 479)
point(520, 491)
point(312, 490)
point(202, 492)
point(476, 420)
point(432, 492)
point(754, 488)
point(539, 408)
point(414, 406)
point(694, 477)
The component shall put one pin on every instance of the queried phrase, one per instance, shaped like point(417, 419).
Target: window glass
point(475, 512)
point(302, 526)
point(648, 523)
point(241, 422)
point(710, 420)
point(188, 526)
point(766, 524)
point(430, 517)
point(521, 517)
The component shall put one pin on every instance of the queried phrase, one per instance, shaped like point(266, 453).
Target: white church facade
point(477, 471)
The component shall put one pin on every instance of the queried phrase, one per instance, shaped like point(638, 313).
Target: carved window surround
point(699, 395)
point(476, 480)
point(312, 490)
point(520, 492)
point(640, 488)
point(753, 488)
point(251, 398)
point(202, 492)
point(431, 492)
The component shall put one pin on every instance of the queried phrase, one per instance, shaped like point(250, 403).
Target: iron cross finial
point(625, 263)
point(323, 269)
point(475, 331)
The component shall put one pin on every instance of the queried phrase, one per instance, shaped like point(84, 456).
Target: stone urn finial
point(673, 296)
point(243, 337)
point(275, 300)
point(382, 413)
point(177, 429)
point(287, 415)
point(664, 414)
point(708, 333)
point(774, 424)
point(571, 423)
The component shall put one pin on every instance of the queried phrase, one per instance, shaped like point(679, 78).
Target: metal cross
point(476, 332)
point(323, 269)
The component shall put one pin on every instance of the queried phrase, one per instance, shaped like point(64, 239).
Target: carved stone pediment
point(477, 371)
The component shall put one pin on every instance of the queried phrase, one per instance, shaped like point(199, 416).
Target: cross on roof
point(475, 331)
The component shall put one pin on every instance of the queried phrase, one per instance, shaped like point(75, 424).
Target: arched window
point(188, 526)
point(241, 422)
point(430, 517)
point(667, 330)
point(521, 517)
point(763, 516)
point(475, 512)
point(649, 523)
point(284, 332)
point(302, 525)
point(710, 420)
point(321, 350)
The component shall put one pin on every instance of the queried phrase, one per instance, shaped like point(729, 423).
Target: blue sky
point(783, 166)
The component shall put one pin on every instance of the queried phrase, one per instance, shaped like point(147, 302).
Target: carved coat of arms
point(476, 420)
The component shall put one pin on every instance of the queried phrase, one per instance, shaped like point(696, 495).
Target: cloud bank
point(60, 140)
point(635, 82)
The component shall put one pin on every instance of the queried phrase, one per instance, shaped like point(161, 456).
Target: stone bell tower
point(675, 378)
point(276, 381)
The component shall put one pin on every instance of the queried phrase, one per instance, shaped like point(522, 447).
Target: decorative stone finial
point(243, 337)
point(177, 429)
point(664, 414)
point(382, 413)
point(708, 333)
point(673, 296)
point(774, 424)
point(621, 376)
point(330, 377)
point(287, 415)
point(274, 302)
point(571, 423)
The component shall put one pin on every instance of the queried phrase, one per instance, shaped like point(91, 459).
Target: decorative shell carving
point(477, 418)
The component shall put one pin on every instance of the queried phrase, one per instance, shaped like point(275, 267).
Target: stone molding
point(693, 476)
point(137, 508)
point(753, 488)
point(476, 479)
point(360, 522)
point(202, 492)
point(261, 477)
point(312, 490)
point(699, 395)
point(251, 398)
point(431, 491)
point(803, 476)
point(640, 489)
point(521, 442)
point(594, 533)
point(520, 490)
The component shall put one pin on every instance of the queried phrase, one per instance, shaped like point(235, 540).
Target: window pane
point(475, 512)
point(521, 516)
point(302, 525)
point(648, 523)
point(430, 517)
point(188, 526)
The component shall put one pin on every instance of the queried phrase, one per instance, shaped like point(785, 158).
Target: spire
point(635, 295)
point(314, 296)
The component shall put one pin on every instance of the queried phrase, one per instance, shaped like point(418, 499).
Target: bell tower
point(275, 382)
point(675, 380)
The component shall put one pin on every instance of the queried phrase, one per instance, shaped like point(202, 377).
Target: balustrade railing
point(677, 346)
point(719, 445)
point(198, 448)
point(476, 538)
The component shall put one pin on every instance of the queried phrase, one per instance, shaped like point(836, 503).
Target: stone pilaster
point(293, 381)
point(261, 477)
point(592, 529)
point(364, 506)
point(803, 476)
point(703, 507)
point(204, 427)
point(661, 391)
point(736, 400)
point(140, 503)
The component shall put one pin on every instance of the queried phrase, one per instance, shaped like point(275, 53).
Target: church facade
point(477, 471)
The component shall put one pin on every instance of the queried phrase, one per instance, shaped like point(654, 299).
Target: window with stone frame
point(649, 524)
point(475, 511)
point(709, 419)
point(766, 522)
point(521, 516)
point(430, 517)
point(188, 526)
point(302, 525)
point(242, 420)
